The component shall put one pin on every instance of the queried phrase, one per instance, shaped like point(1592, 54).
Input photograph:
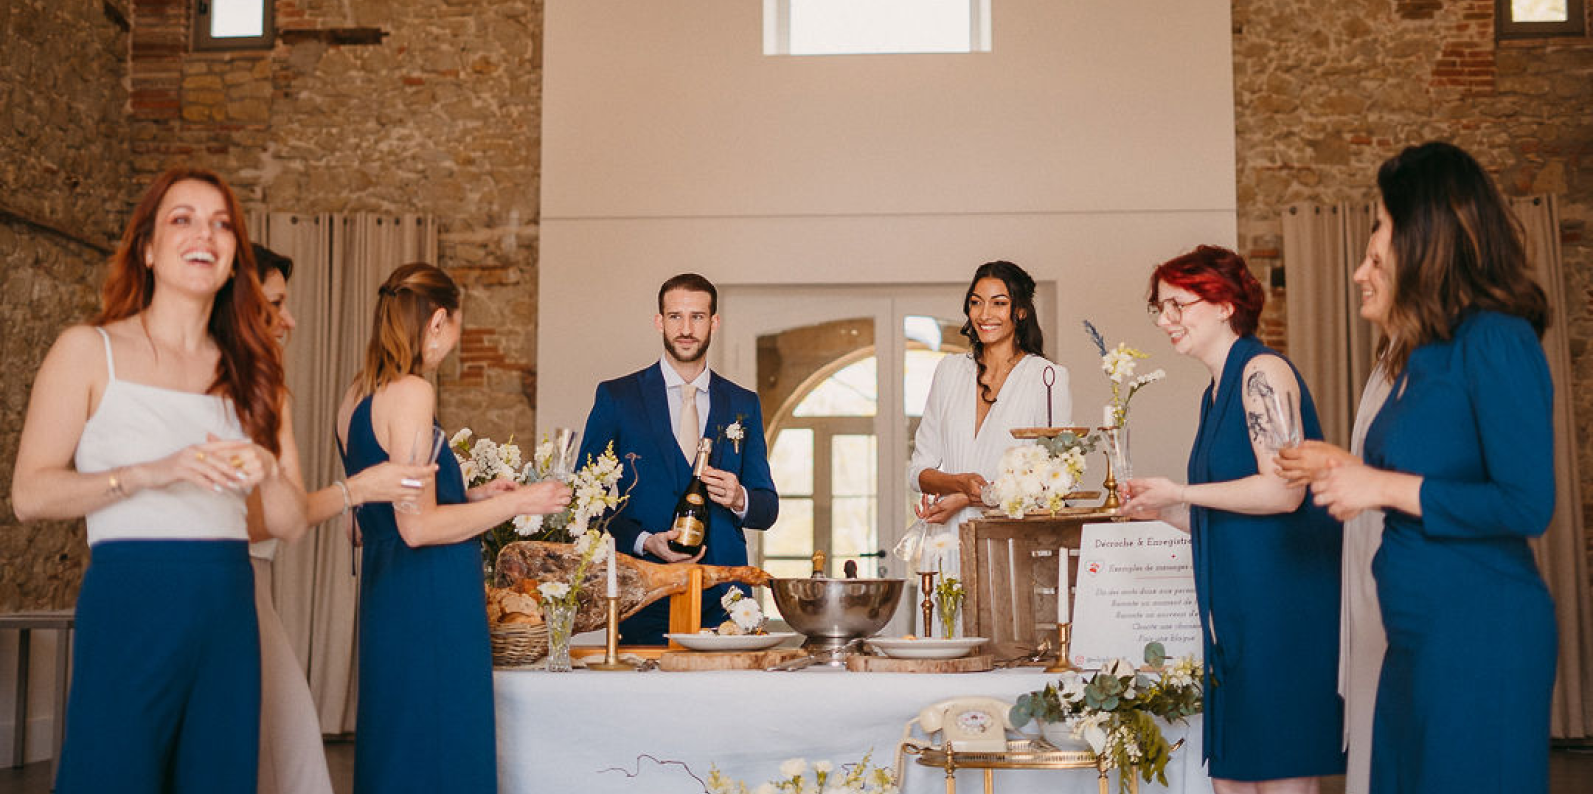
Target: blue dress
point(1268, 590)
point(1463, 700)
point(425, 667)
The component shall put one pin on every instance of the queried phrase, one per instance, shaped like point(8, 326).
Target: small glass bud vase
point(950, 609)
point(561, 622)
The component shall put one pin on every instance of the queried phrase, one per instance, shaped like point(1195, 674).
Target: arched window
point(823, 456)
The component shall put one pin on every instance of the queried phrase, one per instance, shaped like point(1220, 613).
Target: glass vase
point(950, 609)
point(561, 622)
point(1117, 449)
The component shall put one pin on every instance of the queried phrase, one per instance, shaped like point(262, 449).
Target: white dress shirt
point(672, 383)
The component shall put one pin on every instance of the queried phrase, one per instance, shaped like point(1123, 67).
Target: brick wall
point(1325, 92)
point(64, 193)
point(440, 115)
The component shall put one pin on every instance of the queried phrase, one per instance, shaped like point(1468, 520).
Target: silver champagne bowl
point(833, 612)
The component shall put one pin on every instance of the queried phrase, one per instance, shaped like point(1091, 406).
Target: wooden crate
point(1009, 570)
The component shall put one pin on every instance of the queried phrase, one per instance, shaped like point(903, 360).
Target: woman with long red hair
point(155, 421)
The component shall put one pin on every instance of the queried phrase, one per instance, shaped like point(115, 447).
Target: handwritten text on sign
point(1136, 584)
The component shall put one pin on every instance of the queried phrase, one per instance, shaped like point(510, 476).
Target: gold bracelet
point(116, 488)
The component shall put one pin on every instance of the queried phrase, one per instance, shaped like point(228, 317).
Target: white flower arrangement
point(826, 778)
point(744, 612)
point(554, 591)
point(937, 549)
point(595, 488)
point(1119, 364)
point(1117, 710)
point(1035, 479)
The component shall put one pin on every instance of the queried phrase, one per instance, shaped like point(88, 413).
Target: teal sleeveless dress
point(425, 718)
point(1268, 590)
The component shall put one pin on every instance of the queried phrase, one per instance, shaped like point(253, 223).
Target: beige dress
point(1362, 641)
point(292, 756)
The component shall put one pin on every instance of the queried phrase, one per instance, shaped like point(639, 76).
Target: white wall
point(1093, 142)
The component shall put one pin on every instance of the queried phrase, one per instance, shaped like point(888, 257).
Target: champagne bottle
point(691, 512)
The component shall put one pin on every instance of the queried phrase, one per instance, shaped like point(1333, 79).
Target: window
point(234, 25)
point(1515, 19)
point(823, 461)
point(848, 27)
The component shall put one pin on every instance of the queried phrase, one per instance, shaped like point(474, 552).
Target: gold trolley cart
point(1020, 754)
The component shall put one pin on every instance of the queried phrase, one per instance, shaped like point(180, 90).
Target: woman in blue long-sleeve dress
point(425, 720)
point(1266, 562)
point(1461, 457)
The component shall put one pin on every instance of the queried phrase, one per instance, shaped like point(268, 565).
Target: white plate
point(926, 648)
point(731, 642)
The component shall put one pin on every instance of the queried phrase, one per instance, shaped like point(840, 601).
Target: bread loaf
point(527, 563)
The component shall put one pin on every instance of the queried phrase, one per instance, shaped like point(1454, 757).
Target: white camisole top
point(135, 423)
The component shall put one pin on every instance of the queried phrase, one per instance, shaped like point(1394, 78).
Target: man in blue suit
point(659, 414)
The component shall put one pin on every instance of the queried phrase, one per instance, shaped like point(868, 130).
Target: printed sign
point(1136, 584)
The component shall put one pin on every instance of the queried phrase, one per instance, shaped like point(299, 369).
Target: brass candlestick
point(927, 584)
point(1064, 640)
point(1109, 485)
point(611, 641)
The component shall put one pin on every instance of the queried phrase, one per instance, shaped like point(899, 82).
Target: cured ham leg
point(640, 582)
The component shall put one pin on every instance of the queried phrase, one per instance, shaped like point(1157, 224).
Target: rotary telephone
point(968, 724)
point(971, 724)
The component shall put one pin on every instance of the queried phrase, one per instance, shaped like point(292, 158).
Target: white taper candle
point(1062, 612)
point(613, 577)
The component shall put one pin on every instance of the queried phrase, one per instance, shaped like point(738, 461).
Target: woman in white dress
point(1361, 637)
point(975, 400)
point(292, 757)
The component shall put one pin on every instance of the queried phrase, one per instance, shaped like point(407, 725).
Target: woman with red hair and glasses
point(156, 421)
point(1266, 560)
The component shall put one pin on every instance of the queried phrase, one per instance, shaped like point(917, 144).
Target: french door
point(843, 373)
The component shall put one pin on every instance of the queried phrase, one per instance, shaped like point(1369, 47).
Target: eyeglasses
point(1172, 308)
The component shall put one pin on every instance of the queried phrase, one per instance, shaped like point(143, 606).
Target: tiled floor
point(1570, 772)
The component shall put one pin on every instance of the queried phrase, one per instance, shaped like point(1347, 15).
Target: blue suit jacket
point(633, 413)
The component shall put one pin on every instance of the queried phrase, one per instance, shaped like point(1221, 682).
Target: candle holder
point(1109, 485)
point(611, 660)
point(1064, 640)
point(927, 584)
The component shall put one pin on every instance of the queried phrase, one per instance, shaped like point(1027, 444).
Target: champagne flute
point(564, 453)
point(428, 445)
point(1283, 422)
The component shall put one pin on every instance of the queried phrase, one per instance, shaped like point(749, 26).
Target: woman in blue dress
point(1461, 458)
point(1266, 562)
point(425, 721)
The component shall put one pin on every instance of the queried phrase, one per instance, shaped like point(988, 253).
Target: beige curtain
point(339, 261)
point(1328, 341)
point(1562, 552)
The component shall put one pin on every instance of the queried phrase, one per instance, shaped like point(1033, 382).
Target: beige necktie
point(689, 429)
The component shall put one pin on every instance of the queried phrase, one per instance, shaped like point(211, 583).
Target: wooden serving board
point(858, 663)
point(697, 661)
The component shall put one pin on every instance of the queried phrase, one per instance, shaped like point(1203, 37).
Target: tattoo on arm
point(1257, 385)
point(1256, 421)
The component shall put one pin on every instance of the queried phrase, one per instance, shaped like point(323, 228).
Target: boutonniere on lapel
point(735, 432)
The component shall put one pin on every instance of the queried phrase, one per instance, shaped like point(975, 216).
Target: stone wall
point(64, 192)
point(1325, 92)
point(439, 114)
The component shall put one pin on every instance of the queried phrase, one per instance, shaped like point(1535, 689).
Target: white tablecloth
point(564, 732)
